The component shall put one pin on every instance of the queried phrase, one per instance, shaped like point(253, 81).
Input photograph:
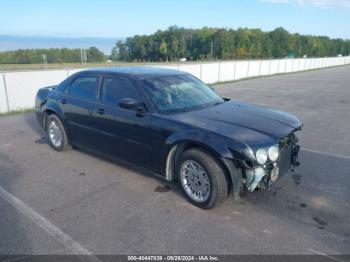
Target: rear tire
point(202, 178)
point(56, 133)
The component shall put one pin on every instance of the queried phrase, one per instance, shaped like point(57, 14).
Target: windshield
point(179, 93)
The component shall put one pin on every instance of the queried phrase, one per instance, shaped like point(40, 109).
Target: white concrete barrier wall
point(22, 86)
point(264, 68)
point(18, 89)
point(3, 102)
point(194, 69)
point(227, 70)
point(241, 70)
point(253, 69)
point(210, 72)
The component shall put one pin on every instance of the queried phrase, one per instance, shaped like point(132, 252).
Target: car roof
point(136, 71)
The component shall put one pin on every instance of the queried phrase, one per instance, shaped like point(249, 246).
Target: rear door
point(78, 104)
point(126, 134)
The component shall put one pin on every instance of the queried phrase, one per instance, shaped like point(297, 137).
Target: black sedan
point(170, 124)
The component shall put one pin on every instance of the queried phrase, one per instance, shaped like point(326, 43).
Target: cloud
point(319, 3)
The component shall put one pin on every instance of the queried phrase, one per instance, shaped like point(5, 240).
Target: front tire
point(56, 133)
point(202, 178)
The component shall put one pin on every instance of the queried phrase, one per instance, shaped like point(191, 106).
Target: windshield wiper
point(200, 106)
point(219, 102)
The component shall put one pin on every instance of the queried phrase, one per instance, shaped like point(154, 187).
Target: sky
point(119, 19)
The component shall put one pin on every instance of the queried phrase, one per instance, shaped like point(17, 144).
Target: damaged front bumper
point(264, 176)
point(249, 178)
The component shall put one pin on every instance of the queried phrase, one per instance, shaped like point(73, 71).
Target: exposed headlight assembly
point(273, 153)
point(261, 156)
point(249, 153)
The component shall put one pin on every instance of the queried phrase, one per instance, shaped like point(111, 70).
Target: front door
point(124, 133)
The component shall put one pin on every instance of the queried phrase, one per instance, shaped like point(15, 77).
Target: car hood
point(251, 124)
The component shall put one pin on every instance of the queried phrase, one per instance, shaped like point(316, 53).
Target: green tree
point(223, 43)
point(280, 39)
point(163, 49)
point(54, 55)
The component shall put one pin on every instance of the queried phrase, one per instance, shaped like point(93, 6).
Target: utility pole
point(191, 44)
point(85, 56)
point(45, 60)
point(81, 56)
point(191, 41)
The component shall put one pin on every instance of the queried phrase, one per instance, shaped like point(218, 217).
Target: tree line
point(53, 55)
point(221, 43)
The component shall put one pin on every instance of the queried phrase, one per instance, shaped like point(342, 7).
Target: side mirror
point(128, 103)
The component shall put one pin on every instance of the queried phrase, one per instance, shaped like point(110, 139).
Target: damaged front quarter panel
point(248, 175)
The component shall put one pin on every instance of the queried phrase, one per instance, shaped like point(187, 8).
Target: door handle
point(100, 111)
point(62, 101)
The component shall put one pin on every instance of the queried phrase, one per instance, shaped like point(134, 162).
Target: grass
point(17, 112)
